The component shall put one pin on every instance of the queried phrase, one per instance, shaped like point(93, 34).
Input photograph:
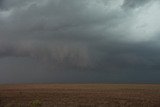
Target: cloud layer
point(97, 36)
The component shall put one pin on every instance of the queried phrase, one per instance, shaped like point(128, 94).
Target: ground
point(80, 95)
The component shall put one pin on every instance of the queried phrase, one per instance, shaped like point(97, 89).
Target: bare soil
point(80, 95)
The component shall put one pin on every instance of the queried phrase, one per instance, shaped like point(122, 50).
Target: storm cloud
point(135, 3)
point(97, 40)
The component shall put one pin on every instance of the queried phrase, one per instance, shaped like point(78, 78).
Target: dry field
point(80, 95)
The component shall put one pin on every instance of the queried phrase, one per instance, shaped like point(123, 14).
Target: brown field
point(80, 95)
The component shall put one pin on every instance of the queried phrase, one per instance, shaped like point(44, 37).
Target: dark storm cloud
point(8, 4)
point(134, 3)
point(96, 36)
point(1, 4)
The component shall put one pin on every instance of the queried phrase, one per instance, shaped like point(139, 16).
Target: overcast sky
point(79, 41)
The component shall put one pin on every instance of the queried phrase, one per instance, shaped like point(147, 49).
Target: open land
point(80, 95)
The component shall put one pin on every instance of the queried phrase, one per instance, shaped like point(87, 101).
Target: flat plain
point(80, 95)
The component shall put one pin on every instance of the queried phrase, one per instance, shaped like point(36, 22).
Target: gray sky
point(79, 41)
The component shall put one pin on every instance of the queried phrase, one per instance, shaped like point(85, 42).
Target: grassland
point(80, 95)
